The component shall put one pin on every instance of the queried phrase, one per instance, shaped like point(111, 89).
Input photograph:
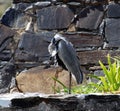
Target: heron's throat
point(52, 49)
point(54, 52)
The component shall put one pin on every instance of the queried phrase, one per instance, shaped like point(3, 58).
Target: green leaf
point(106, 72)
point(105, 83)
point(109, 61)
point(59, 82)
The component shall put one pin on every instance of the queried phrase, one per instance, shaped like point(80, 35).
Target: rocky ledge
point(59, 102)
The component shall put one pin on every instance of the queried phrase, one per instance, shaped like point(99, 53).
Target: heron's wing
point(68, 56)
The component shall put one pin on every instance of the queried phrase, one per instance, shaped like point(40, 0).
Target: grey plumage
point(66, 56)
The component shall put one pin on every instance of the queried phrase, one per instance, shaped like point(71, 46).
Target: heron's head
point(53, 46)
point(59, 37)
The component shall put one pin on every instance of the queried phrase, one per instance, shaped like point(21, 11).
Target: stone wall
point(28, 26)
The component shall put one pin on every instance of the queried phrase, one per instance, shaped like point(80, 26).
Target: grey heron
point(65, 56)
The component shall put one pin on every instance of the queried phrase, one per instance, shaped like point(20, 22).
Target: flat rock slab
point(90, 17)
point(42, 102)
point(82, 40)
point(39, 79)
point(92, 57)
point(113, 11)
point(112, 32)
point(54, 17)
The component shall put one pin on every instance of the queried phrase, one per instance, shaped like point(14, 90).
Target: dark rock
point(90, 17)
point(99, 102)
point(33, 47)
point(5, 43)
point(14, 17)
point(112, 32)
point(54, 17)
point(8, 17)
point(6, 36)
point(40, 102)
point(6, 74)
point(92, 57)
point(82, 40)
point(5, 56)
point(113, 11)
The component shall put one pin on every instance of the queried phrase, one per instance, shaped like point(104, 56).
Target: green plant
point(86, 88)
point(83, 89)
point(110, 82)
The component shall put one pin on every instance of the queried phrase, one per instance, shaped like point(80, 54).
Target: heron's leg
point(56, 77)
point(70, 80)
point(58, 70)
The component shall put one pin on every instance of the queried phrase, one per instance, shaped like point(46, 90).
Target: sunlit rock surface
point(40, 79)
